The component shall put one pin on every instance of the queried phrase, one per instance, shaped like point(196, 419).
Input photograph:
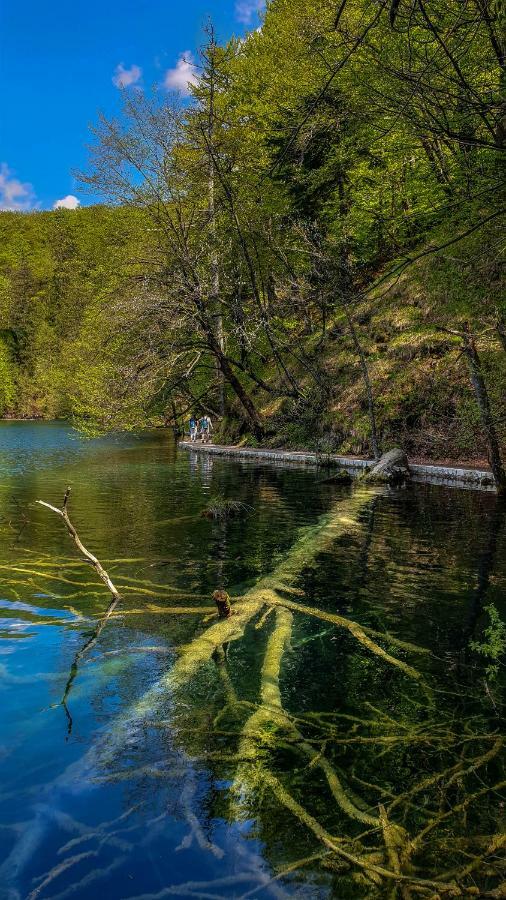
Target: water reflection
point(302, 763)
point(193, 463)
point(206, 462)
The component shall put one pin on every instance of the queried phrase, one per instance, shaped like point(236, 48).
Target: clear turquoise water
point(93, 804)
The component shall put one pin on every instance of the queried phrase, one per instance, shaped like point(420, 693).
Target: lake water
point(304, 759)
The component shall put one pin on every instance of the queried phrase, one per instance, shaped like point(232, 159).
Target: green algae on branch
point(201, 649)
point(358, 632)
point(263, 728)
point(267, 730)
point(311, 542)
point(358, 860)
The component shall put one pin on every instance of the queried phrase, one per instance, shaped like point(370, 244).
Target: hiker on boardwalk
point(193, 428)
point(206, 427)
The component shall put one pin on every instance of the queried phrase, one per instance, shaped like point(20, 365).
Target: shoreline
point(470, 476)
point(452, 476)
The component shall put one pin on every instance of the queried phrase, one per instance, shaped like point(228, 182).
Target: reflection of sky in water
point(57, 445)
point(132, 831)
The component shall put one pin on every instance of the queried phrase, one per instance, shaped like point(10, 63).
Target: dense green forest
point(311, 248)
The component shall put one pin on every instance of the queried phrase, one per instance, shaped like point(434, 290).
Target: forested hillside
point(311, 249)
point(60, 274)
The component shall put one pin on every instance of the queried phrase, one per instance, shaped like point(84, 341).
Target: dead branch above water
point(101, 572)
point(104, 577)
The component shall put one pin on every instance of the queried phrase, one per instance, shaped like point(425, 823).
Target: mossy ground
point(423, 395)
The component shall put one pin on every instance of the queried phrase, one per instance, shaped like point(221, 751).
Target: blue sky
point(60, 63)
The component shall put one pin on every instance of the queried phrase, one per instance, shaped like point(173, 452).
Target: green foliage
point(58, 273)
point(7, 377)
point(262, 259)
point(223, 508)
point(493, 643)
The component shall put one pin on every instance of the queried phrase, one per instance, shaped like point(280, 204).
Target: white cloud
point(124, 78)
point(68, 202)
point(247, 10)
point(183, 75)
point(15, 195)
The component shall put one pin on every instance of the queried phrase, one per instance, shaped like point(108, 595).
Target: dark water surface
point(362, 778)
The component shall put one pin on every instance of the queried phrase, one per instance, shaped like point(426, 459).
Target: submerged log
point(386, 864)
point(313, 540)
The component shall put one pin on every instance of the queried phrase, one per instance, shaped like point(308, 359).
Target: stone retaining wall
point(471, 478)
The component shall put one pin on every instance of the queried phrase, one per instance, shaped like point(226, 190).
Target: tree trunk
point(437, 162)
point(232, 379)
point(175, 421)
point(215, 302)
point(347, 288)
point(244, 398)
point(482, 399)
point(367, 383)
point(215, 287)
point(501, 330)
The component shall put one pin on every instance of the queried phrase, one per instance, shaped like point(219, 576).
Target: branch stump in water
point(392, 468)
point(222, 600)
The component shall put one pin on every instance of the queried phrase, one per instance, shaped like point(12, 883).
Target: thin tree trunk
point(252, 277)
point(215, 302)
point(367, 383)
point(244, 398)
point(501, 331)
point(215, 285)
point(232, 379)
point(347, 287)
point(437, 163)
point(482, 399)
point(175, 421)
point(207, 325)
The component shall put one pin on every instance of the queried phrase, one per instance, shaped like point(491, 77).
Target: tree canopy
point(312, 248)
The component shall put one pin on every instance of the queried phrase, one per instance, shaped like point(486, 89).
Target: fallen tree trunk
point(313, 540)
